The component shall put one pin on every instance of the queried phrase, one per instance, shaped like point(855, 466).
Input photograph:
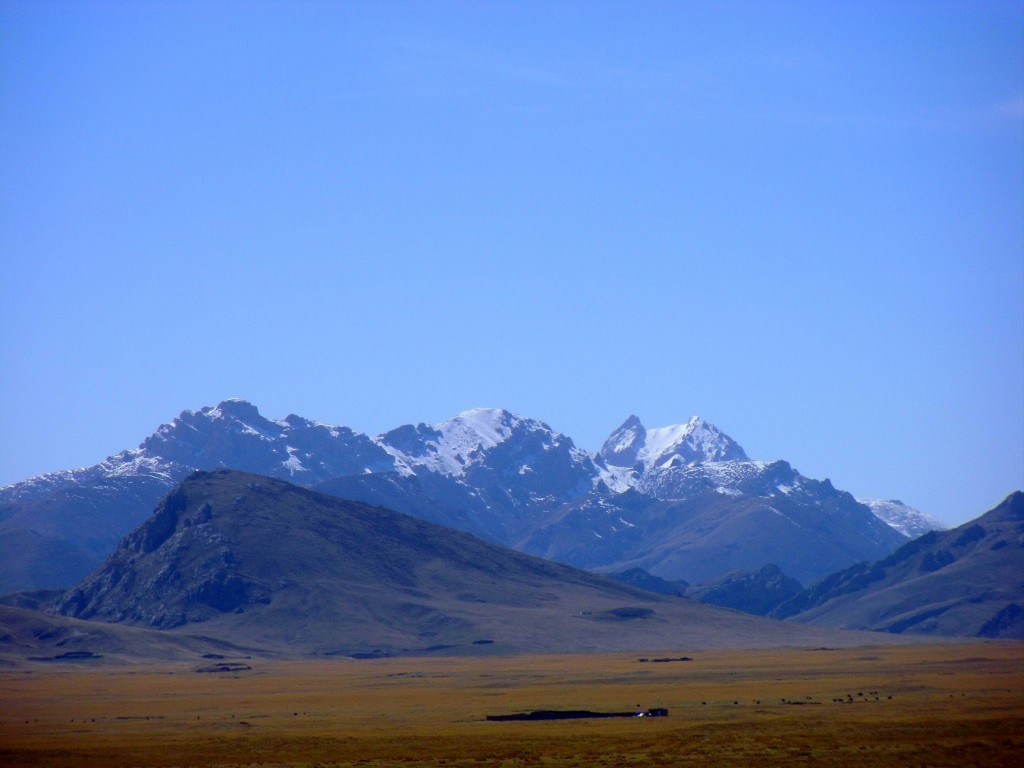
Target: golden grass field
point(925, 705)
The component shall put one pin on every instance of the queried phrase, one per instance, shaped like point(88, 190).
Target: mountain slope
point(965, 581)
point(262, 563)
point(757, 592)
point(35, 636)
point(712, 519)
point(686, 503)
point(59, 527)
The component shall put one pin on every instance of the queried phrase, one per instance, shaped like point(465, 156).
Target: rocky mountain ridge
point(687, 495)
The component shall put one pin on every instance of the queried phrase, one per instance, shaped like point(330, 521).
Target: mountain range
point(684, 503)
point(258, 565)
point(232, 565)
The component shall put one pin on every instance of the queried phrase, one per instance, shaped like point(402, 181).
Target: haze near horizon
point(803, 222)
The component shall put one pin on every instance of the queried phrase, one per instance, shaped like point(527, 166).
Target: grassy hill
point(967, 581)
point(263, 564)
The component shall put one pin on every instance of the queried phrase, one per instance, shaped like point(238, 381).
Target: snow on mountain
point(696, 522)
point(696, 442)
point(685, 502)
point(673, 462)
point(514, 469)
point(453, 445)
point(682, 481)
point(234, 434)
point(126, 464)
point(623, 445)
point(907, 520)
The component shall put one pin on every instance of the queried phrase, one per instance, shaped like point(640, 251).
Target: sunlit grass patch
point(931, 704)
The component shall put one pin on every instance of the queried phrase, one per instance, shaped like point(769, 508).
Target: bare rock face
point(173, 569)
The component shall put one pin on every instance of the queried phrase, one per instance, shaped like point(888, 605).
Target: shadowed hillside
point(966, 581)
point(264, 564)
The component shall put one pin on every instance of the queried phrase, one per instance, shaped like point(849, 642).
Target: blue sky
point(803, 222)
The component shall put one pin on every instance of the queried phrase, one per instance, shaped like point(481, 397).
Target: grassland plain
point(925, 705)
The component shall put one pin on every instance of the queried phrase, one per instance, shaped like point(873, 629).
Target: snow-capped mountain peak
point(695, 442)
point(623, 445)
point(479, 428)
point(452, 446)
point(905, 519)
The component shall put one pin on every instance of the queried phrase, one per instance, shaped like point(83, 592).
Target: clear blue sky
point(803, 222)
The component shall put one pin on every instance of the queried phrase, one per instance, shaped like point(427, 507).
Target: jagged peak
point(452, 446)
point(631, 422)
point(299, 422)
point(624, 443)
point(233, 407)
point(695, 442)
point(233, 414)
point(488, 422)
point(488, 426)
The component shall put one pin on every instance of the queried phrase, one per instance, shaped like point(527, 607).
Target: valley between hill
point(935, 704)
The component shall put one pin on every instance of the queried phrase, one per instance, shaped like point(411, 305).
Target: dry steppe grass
point(928, 705)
